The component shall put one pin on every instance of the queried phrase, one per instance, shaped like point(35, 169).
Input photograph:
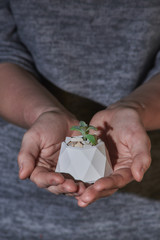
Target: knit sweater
point(95, 50)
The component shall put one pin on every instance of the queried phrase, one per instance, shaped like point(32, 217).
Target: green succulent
point(84, 129)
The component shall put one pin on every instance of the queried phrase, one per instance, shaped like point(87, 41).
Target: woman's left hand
point(129, 146)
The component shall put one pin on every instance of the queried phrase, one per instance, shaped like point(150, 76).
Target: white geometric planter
point(87, 164)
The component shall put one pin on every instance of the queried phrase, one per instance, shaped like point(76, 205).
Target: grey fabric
point(156, 68)
point(104, 48)
point(27, 212)
point(11, 48)
point(101, 50)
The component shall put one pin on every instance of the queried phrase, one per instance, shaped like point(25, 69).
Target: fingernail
point(82, 204)
point(76, 194)
point(142, 170)
point(141, 173)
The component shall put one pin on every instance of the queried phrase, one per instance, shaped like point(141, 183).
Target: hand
point(40, 149)
point(129, 148)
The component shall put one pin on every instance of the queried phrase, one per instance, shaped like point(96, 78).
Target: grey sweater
point(101, 50)
point(97, 51)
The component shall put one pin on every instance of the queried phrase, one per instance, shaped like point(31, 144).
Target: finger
point(43, 178)
point(105, 187)
point(141, 163)
point(118, 179)
point(68, 186)
point(27, 156)
point(81, 186)
point(141, 157)
point(82, 203)
point(80, 189)
point(91, 195)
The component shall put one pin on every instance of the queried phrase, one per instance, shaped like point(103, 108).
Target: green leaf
point(83, 124)
point(75, 128)
point(92, 139)
point(83, 133)
point(91, 127)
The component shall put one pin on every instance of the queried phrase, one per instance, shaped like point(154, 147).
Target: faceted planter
point(87, 164)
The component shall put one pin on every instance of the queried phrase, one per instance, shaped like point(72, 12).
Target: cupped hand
point(39, 152)
point(129, 148)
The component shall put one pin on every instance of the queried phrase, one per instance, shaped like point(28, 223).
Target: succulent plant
point(84, 129)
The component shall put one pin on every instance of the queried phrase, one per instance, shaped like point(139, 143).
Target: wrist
point(137, 106)
point(31, 116)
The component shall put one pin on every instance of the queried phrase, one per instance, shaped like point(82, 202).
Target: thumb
point(141, 156)
point(27, 156)
point(141, 159)
point(141, 163)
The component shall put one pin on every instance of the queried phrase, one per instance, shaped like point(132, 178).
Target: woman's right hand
point(39, 152)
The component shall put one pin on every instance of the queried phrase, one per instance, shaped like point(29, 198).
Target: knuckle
point(100, 185)
point(35, 179)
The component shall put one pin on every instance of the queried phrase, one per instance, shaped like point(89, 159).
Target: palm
point(119, 150)
point(50, 139)
point(129, 150)
point(42, 144)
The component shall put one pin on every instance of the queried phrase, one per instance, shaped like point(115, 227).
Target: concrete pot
point(86, 164)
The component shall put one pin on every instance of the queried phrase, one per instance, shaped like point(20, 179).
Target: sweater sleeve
point(11, 48)
point(155, 69)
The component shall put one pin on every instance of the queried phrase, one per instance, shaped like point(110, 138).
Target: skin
point(47, 121)
point(130, 161)
point(121, 126)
